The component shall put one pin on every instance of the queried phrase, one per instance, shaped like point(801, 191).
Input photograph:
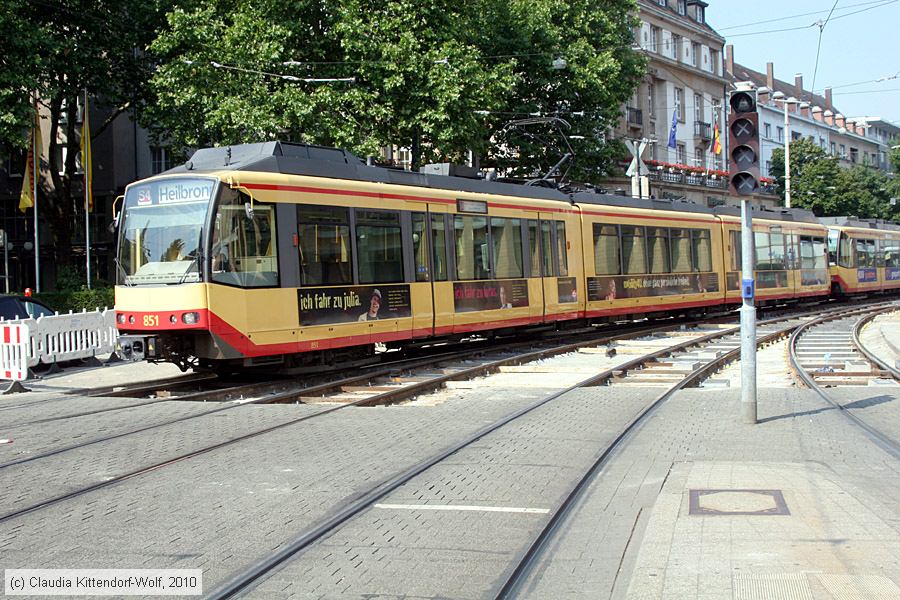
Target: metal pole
point(86, 164)
point(6, 261)
point(35, 176)
point(787, 157)
point(748, 319)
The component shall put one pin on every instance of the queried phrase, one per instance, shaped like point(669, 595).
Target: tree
point(19, 67)
point(436, 76)
point(819, 184)
point(814, 177)
point(68, 47)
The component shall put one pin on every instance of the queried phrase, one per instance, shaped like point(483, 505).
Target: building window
point(695, 54)
point(681, 153)
point(698, 107)
point(662, 2)
point(779, 134)
point(767, 128)
point(655, 35)
point(698, 158)
point(843, 150)
point(676, 45)
point(822, 143)
point(679, 103)
point(14, 162)
point(651, 98)
point(795, 135)
point(854, 155)
point(714, 61)
point(833, 151)
point(701, 14)
point(161, 159)
point(768, 168)
point(682, 7)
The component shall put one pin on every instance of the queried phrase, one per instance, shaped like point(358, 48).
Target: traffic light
point(743, 143)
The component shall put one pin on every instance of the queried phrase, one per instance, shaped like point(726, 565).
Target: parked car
point(22, 307)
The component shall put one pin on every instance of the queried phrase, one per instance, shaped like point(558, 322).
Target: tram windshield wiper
point(195, 260)
point(125, 278)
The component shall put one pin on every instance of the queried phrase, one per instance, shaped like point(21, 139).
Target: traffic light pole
point(748, 319)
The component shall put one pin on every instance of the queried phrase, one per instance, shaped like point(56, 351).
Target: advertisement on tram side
point(642, 286)
point(469, 296)
point(567, 290)
point(322, 306)
point(892, 273)
point(867, 275)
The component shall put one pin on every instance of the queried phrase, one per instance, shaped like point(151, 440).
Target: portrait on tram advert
point(470, 296)
point(320, 306)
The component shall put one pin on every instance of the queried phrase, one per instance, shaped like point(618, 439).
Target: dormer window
point(682, 7)
point(701, 16)
point(699, 9)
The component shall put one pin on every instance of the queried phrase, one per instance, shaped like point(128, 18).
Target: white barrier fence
point(54, 339)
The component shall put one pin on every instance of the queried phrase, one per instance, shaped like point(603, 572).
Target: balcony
point(702, 130)
point(686, 175)
point(634, 117)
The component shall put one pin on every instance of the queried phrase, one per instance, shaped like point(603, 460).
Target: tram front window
point(161, 231)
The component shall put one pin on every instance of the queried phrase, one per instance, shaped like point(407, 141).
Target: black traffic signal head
point(743, 143)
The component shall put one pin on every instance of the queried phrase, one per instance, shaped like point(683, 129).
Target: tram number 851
point(151, 320)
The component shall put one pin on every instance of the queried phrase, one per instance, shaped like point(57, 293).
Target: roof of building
point(743, 73)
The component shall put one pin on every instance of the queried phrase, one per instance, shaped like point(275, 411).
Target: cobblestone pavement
point(633, 535)
point(455, 530)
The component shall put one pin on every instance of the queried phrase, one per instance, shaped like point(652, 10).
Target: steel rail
point(883, 441)
point(870, 356)
point(240, 583)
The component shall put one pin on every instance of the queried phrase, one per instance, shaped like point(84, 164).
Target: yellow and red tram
point(293, 256)
point(864, 255)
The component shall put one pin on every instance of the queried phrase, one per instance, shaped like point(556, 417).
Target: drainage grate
point(738, 502)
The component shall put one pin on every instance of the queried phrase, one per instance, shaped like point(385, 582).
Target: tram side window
point(506, 238)
point(879, 253)
point(892, 253)
point(845, 251)
point(807, 253)
point(763, 250)
point(472, 254)
point(420, 245)
point(562, 249)
point(243, 251)
point(439, 247)
point(680, 240)
point(776, 249)
point(606, 249)
point(379, 246)
point(325, 257)
point(702, 250)
point(634, 251)
point(658, 249)
point(865, 253)
point(534, 248)
point(736, 251)
point(546, 249)
point(819, 253)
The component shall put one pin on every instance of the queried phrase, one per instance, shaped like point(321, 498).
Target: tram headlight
point(120, 318)
point(190, 318)
point(131, 319)
point(173, 319)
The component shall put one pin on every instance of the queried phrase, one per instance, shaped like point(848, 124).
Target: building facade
point(809, 116)
point(686, 84)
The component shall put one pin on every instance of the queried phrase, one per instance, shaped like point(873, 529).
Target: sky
point(856, 49)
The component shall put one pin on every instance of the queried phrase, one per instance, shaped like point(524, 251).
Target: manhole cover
point(738, 502)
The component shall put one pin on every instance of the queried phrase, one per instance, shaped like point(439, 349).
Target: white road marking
point(506, 509)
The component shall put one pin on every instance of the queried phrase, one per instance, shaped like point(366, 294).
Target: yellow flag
point(86, 157)
point(35, 147)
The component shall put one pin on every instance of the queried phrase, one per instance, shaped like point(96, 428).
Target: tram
point(289, 256)
point(864, 255)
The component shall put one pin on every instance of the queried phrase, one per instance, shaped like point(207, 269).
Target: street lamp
point(787, 145)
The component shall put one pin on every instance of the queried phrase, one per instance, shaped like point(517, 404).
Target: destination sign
point(171, 191)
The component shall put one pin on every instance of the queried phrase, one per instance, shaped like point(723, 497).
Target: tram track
point(246, 580)
point(399, 393)
point(812, 374)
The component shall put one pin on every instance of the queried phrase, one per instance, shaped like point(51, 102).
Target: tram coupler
point(135, 348)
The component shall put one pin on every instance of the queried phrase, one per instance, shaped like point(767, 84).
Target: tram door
point(549, 292)
point(432, 290)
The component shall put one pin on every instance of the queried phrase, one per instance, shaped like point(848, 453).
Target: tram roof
point(850, 221)
point(321, 161)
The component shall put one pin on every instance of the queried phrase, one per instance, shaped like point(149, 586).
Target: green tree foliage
point(440, 77)
point(814, 177)
point(66, 47)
